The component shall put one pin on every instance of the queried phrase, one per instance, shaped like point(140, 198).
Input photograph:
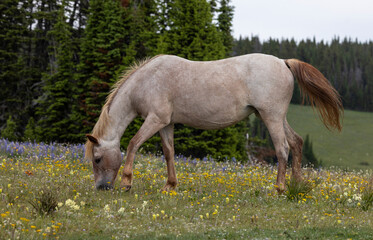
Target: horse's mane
point(104, 119)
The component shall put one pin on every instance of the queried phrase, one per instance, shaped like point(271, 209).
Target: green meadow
point(46, 197)
point(350, 149)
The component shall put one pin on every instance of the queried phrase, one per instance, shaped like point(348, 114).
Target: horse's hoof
point(126, 187)
point(168, 187)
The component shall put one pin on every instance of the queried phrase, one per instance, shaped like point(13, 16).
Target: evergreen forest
point(60, 58)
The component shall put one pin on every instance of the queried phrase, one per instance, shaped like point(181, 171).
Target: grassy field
point(46, 192)
point(352, 148)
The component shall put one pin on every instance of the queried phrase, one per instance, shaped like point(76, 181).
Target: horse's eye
point(98, 160)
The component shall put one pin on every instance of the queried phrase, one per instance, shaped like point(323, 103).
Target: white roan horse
point(168, 89)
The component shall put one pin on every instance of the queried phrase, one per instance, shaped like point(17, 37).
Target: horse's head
point(106, 160)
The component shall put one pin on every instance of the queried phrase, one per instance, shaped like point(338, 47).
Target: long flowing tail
point(319, 91)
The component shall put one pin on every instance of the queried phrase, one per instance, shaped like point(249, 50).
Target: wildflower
point(1, 190)
point(207, 215)
point(24, 219)
point(75, 207)
point(60, 204)
point(162, 212)
point(121, 210)
point(227, 200)
point(82, 203)
point(70, 203)
point(357, 197)
point(136, 196)
point(154, 216)
point(201, 217)
point(107, 208)
point(234, 218)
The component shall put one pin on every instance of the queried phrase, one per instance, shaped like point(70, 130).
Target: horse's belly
point(211, 116)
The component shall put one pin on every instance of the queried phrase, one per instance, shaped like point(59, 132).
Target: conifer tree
point(192, 34)
point(225, 24)
point(55, 105)
point(30, 133)
point(106, 50)
point(144, 27)
point(9, 132)
point(13, 31)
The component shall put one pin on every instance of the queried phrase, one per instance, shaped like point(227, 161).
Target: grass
point(213, 201)
point(352, 148)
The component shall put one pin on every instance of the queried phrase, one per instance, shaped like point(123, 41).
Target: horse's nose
point(104, 186)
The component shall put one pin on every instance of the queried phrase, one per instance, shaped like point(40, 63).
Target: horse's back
point(211, 94)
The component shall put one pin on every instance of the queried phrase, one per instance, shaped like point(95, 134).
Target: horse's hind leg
point(275, 125)
point(151, 125)
point(167, 137)
point(296, 144)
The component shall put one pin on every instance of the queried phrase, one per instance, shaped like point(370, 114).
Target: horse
point(167, 89)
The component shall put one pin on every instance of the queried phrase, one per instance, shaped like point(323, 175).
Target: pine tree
point(106, 50)
point(192, 34)
point(55, 105)
point(30, 133)
point(13, 31)
point(146, 31)
point(9, 132)
point(225, 19)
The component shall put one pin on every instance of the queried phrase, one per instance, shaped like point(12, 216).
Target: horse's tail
point(319, 91)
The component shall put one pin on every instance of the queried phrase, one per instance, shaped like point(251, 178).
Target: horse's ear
point(92, 139)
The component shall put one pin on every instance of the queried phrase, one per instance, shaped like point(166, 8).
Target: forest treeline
point(59, 59)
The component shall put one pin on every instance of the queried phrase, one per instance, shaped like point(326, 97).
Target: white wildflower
point(144, 204)
point(107, 208)
point(70, 203)
point(121, 210)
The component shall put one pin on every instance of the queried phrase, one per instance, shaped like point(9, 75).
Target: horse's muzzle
point(104, 186)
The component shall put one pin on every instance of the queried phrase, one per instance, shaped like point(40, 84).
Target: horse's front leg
point(167, 137)
point(151, 125)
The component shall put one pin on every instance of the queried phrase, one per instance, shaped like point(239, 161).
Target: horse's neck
point(121, 114)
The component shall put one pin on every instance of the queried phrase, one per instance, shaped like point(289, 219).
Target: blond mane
point(104, 119)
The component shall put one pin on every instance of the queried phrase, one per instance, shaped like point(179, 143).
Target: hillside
point(352, 148)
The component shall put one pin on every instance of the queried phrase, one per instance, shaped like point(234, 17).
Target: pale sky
point(301, 19)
